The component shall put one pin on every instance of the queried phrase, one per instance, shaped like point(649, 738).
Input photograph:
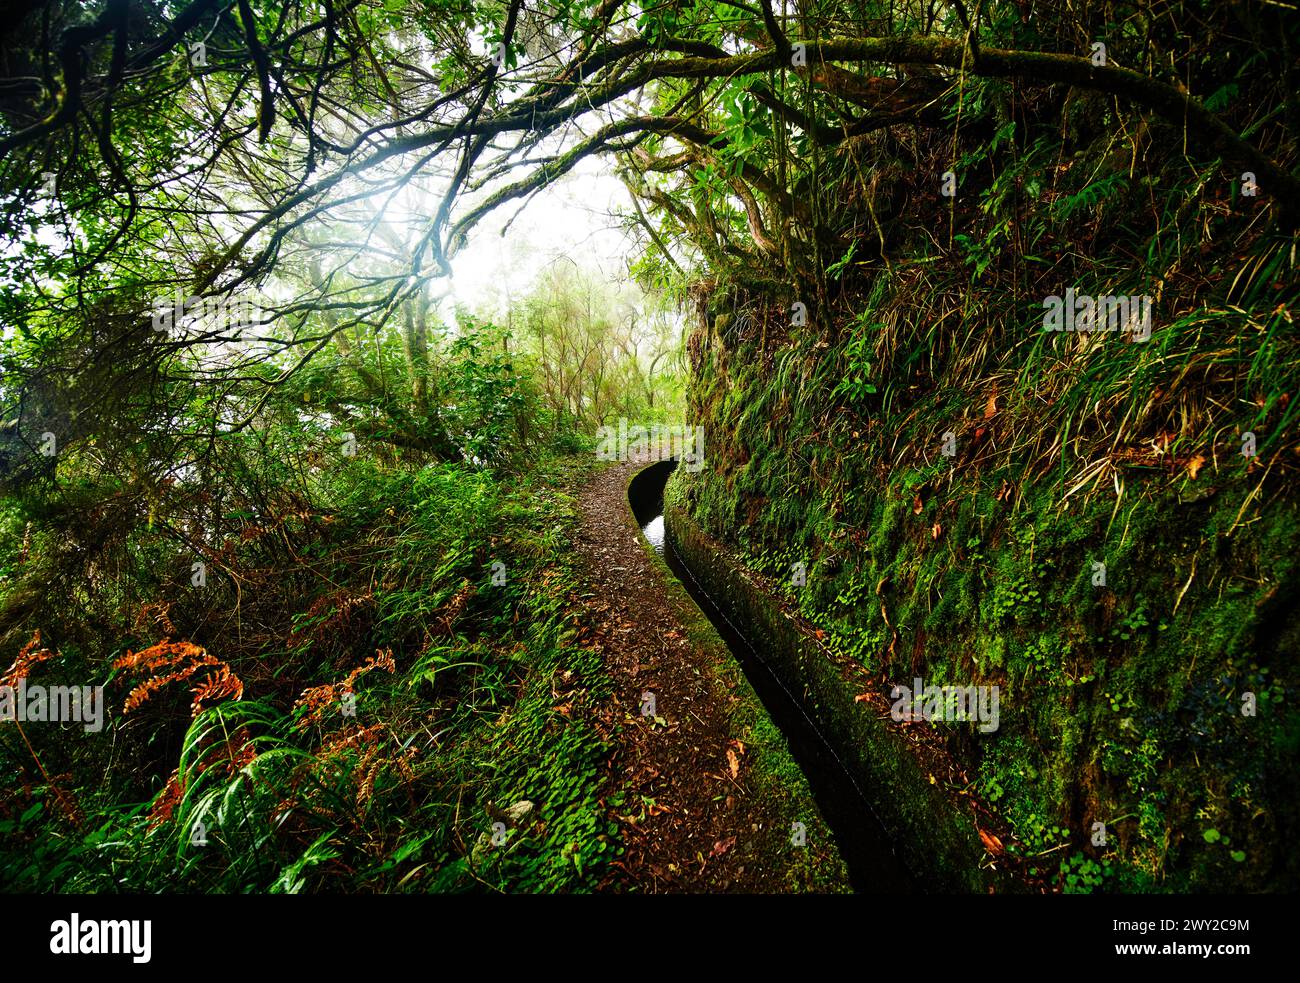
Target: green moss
point(934, 838)
point(1122, 698)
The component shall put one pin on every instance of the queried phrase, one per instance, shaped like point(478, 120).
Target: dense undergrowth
point(367, 724)
point(953, 477)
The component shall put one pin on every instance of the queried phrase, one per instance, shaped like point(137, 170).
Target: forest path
point(685, 812)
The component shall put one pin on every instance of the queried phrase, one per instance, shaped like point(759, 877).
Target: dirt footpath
point(696, 818)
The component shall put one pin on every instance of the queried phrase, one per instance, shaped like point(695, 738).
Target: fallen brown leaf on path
point(991, 843)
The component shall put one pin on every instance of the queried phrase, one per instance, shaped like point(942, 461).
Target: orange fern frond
point(383, 659)
point(155, 613)
point(176, 661)
point(168, 799)
point(339, 606)
point(28, 656)
point(315, 700)
point(216, 687)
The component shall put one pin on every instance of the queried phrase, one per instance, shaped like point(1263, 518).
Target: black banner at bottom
point(144, 934)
